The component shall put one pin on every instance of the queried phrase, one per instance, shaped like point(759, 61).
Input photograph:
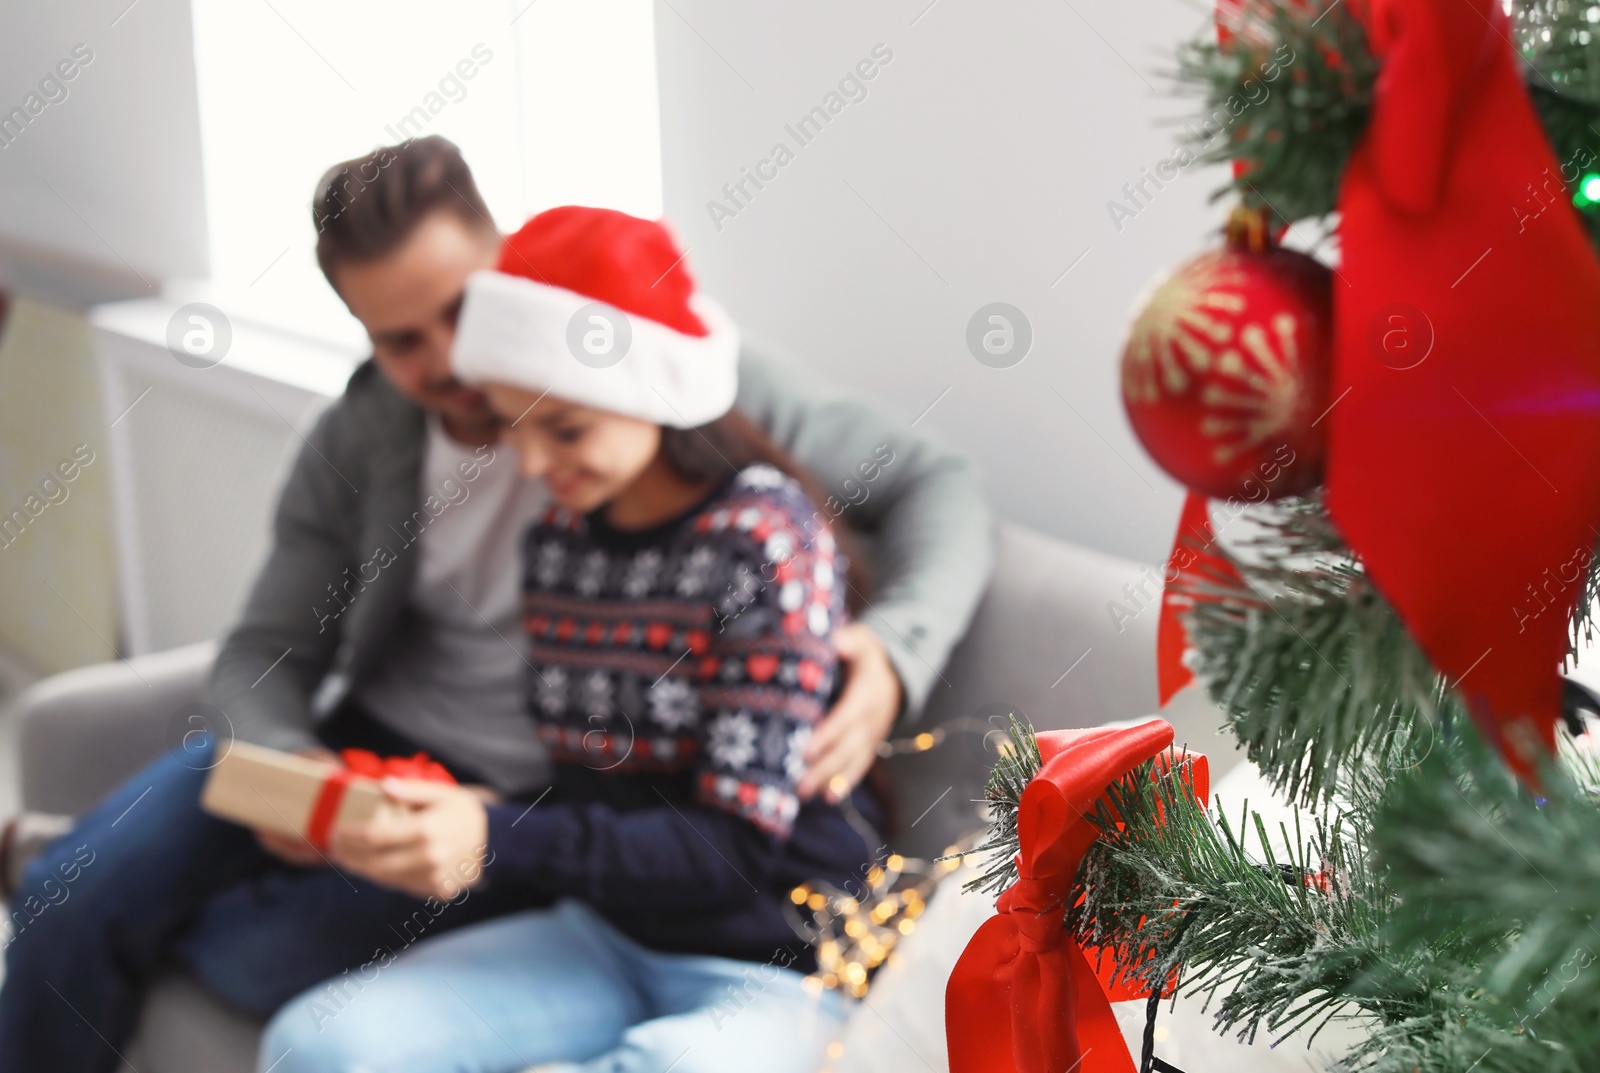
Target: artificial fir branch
point(1292, 93)
point(1433, 894)
point(1310, 664)
point(1286, 930)
point(1314, 671)
point(1019, 762)
point(1582, 633)
point(1484, 863)
point(1560, 45)
point(1499, 888)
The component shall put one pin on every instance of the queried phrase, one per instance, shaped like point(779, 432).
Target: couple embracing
point(674, 605)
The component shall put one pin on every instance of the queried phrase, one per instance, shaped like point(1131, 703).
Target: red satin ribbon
point(1192, 563)
point(1468, 480)
point(362, 763)
point(326, 808)
point(1024, 998)
point(417, 766)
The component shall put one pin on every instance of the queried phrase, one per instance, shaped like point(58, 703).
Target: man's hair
point(364, 209)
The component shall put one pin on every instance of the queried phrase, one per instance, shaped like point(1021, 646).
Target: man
point(385, 618)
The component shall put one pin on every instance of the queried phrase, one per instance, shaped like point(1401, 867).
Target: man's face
point(409, 302)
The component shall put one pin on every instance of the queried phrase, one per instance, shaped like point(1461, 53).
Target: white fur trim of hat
point(515, 330)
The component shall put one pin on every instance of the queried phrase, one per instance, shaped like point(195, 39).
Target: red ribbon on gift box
point(362, 763)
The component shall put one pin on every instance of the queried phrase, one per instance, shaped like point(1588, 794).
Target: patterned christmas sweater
point(675, 675)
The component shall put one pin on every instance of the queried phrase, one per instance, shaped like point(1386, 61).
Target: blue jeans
point(555, 988)
point(146, 879)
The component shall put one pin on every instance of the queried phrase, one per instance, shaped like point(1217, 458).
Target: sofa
point(1043, 646)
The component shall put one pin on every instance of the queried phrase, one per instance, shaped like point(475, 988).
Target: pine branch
point(1469, 932)
point(1561, 49)
point(1482, 864)
point(1019, 762)
point(1289, 933)
point(1442, 1041)
point(1582, 633)
point(1314, 671)
point(1293, 94)
point(1560, 43)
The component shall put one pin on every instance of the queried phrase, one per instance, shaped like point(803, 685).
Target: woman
point(679, 595)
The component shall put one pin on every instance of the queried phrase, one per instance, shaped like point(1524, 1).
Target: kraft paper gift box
point(289, 794)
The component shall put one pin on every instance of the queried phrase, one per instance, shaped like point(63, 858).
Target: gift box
point(292, 795)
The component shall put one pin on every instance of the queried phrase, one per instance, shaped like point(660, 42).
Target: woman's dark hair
point(364, 209)
point(706, 453)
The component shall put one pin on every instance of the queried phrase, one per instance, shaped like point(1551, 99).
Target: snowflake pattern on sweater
point(698, 646)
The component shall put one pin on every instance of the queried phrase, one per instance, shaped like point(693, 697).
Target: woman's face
point(586, 456)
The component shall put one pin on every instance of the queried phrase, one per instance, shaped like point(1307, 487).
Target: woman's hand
point(846, 742)
point(434, 846)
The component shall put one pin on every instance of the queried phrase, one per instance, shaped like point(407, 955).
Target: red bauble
point(1226, 371)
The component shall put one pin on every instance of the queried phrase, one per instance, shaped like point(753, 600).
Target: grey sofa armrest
point(83, 732)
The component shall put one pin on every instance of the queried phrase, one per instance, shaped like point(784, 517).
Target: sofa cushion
point(86, 730)
point(186, 1029)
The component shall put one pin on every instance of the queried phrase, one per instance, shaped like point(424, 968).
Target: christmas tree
point(1386, 638)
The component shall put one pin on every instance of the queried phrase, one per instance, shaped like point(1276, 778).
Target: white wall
point(551, 101)
point(976, 170)
point(101, 191)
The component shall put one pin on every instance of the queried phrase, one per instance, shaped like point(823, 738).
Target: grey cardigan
point(927, 532)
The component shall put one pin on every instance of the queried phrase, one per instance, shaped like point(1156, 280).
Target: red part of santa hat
point(609, 256)
point(532, 321)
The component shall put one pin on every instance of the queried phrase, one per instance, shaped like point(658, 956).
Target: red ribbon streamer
point(1192, 563)
point(1467, 480)
point(1023, 998)
point(362, 763)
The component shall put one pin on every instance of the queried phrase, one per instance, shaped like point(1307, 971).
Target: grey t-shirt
point(455, 681)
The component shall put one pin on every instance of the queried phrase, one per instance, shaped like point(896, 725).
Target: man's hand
point(292, 848)
point(846, 742)
point(432, 846)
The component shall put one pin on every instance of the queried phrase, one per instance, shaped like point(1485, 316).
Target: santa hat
point(596, 307)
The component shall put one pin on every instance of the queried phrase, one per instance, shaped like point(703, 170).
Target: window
point(551, 101)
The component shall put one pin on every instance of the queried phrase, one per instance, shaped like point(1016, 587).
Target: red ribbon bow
point(362, 763)
point(1466, 477)
point(416, 766)
point(1023, 998)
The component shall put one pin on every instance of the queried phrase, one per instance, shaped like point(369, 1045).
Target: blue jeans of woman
point(557, 989)
point(146, 880)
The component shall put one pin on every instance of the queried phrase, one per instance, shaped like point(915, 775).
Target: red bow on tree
point(1023, 998)
point(1466, 477)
